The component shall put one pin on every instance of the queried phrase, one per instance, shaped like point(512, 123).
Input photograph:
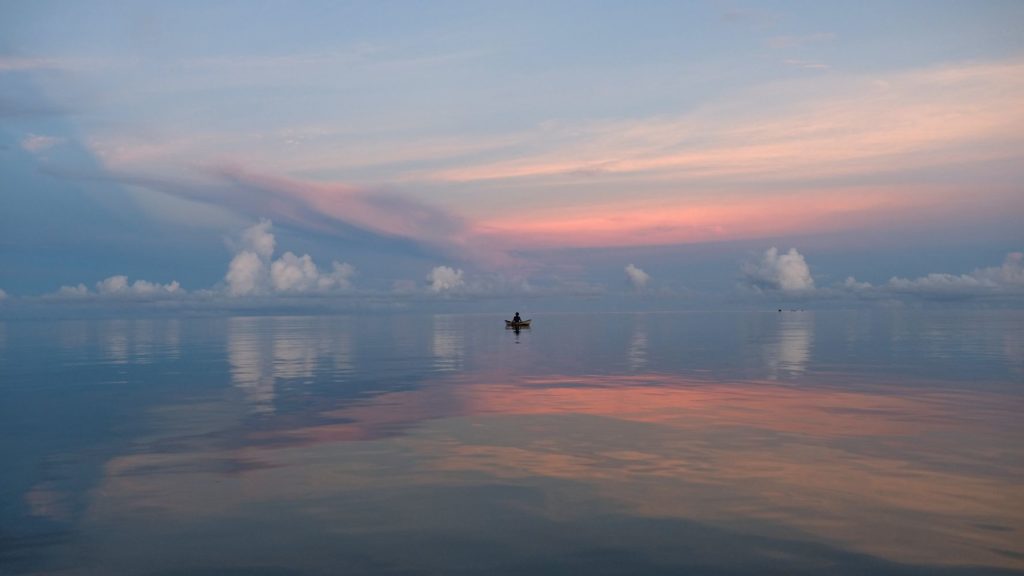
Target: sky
point(678, 152)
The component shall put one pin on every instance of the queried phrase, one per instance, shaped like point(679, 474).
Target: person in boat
point(516, 319)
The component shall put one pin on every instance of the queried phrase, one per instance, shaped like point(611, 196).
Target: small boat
point(520, 324)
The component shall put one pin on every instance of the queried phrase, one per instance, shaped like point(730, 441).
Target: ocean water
point(841, 442)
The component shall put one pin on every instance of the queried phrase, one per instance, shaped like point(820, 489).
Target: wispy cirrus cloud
point(37, 142)
point(22, 63)
point(40, 63)
point(799, 40)
point(847, 125)
point(750, 17)
point(386, 214)
point(390, 220)
point(784, 122)
point(791, 157)
point(313, 148)
point(781, 158)
point(806, 64)
point(804, 154)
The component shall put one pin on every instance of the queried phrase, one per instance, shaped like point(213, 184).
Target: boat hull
point(521, 324)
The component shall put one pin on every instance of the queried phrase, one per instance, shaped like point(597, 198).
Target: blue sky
point(473, 150)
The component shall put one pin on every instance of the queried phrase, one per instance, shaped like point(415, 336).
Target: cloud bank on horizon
point(253, 272)
point(790, 274)
point(119, 286)
point(451, 152)
point(1007, 279)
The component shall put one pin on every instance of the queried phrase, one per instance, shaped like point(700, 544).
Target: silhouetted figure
point(516, 319)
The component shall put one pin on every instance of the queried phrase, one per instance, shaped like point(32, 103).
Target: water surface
point(885, 442)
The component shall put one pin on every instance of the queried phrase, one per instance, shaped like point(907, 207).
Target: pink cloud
point(779, 159)
point(628, 223)
point(377, 211)
point(840, 126)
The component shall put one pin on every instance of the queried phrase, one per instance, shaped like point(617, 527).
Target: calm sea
point(883, 442)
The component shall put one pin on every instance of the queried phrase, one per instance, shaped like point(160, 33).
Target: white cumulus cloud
point(291, 273)
point(637, 277)
point(444, 278)
point(246, 274)
point(258, 239)
point(254, 271)
point(787, 272)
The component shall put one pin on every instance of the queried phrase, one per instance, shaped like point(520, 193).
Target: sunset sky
point(869, 151)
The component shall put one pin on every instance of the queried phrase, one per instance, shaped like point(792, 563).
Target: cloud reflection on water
point(892, 467)
point(251, 363)
point(115, 341)
point(637, 353)
point(862, 469)
point(294, 358)
point(263, 352)
point(448, 344)
point(1013, 348)
point(789, 351)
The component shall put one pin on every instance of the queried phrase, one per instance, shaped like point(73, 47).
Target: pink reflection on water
point(895, 476)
